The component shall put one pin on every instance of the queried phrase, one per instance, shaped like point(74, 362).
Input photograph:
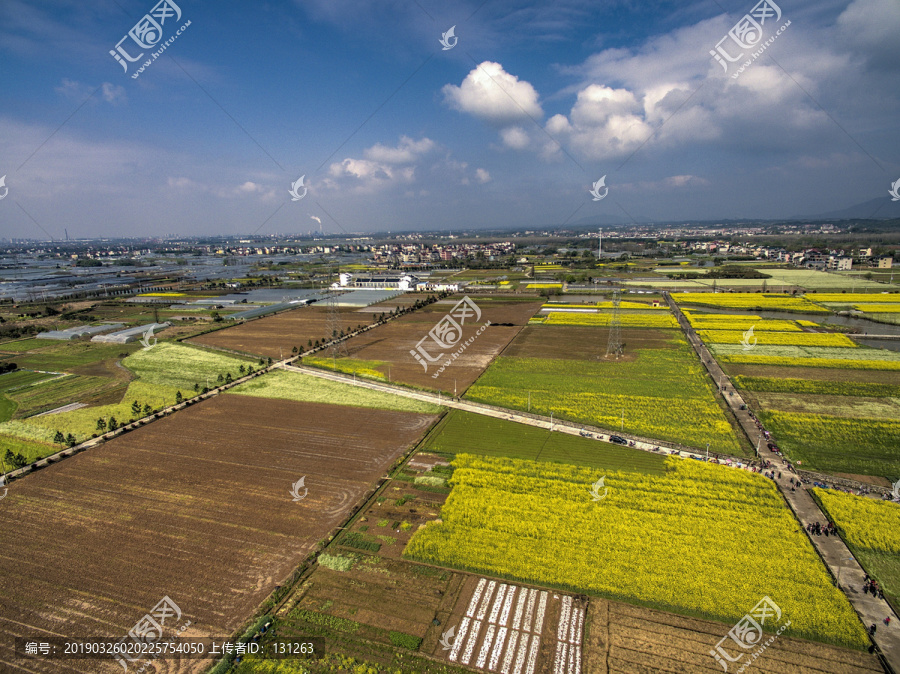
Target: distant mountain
point(880, 208)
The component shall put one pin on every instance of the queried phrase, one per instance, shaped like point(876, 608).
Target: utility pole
point(707, 452)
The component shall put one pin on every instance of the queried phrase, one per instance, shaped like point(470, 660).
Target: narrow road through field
point(832, 549)
point(645, 444)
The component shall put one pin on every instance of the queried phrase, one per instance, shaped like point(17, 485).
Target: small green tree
point(70, 440)
point(196, 387)
point(242, 369)
point(148, 410)
point(59, 438)
point(178, 397)
point(220, 378)
point(113, 424)
point(101, 425)
point(228, 378)
point(135, 407)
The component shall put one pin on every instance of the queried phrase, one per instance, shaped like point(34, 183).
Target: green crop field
point(663, 393)
point(307, 388)
point(670, 541)
point(872, 531)
point(82, 423)
point(464, 432)
point(859, 446)
point(181, 366)
point(816, 386)
point(66, 356)
point(23, 345)
point(22, 379)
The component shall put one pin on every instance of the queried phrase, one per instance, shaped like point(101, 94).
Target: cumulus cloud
point(494, 95)
point(380, 166)
point(482, 176)
point(407, 151)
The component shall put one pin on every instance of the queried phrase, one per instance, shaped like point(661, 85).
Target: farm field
point(750, 301)
point(276, 336)
point(385, 352)
point(287, 385)
point(695, 516)
point(161, 373)
point(701, 321)
point(660, 385)
point(779, 278)
point(104, 535)
point(626, 639)
point(832, 408)
point(871, 529)
point(466, 433)
point(764, 338)
point(627, 318)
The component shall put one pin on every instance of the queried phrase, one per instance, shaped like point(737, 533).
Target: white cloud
point(871, 27)
point(76, 91)
point(407, 151)
point(515, 137)
point(493, 95)
point(482, 176)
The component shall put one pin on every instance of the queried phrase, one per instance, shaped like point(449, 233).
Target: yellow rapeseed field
point(702, 540)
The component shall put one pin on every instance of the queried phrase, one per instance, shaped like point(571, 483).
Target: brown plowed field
point(197, 507)
point(391, 343)
point(275, 336)
point(631, 639)
point(576, 342)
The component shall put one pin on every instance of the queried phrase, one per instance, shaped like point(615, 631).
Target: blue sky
point(509, 128)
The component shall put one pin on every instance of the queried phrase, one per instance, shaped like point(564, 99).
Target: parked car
point(618, 439)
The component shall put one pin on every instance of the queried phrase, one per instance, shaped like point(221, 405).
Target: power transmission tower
point(614, 346)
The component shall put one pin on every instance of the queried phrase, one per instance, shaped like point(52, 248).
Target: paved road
point(646, 444)
point(831, 548)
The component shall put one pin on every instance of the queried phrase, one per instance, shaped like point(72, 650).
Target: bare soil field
point(391, 344)
point(197, 507)
point(576, 342)
point(628, 639)
point(275, 336)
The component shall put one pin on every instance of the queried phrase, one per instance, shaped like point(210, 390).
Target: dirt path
point(843, 566)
